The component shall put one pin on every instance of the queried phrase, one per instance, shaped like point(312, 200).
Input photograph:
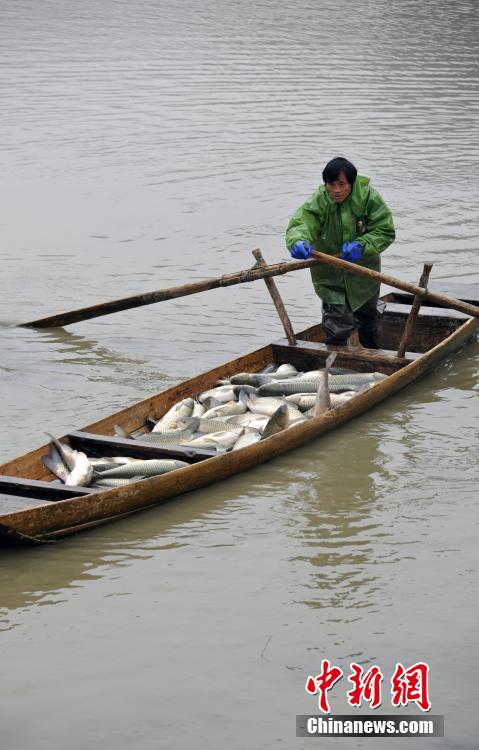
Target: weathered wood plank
point(13, 503)
point(39, 489)
point(307, 355)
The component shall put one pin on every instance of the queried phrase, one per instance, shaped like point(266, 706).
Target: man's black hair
point(334, 168)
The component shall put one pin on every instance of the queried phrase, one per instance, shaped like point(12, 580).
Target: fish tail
point(61, 450)
point(330, 361)
point(49, 463)
point(120, 432)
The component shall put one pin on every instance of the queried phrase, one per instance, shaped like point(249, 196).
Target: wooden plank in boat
point(307, 354)
point(397, 305)
point(13, 503)
point(465, 292)
point(107, 445)
point(38, 489)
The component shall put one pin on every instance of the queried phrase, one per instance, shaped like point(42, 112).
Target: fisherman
point(345, 217)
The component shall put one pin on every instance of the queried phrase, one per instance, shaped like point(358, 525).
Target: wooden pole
point(241, 277)
point(411, 320)
point(149, 298)
point(276, 297)
point(444, 300)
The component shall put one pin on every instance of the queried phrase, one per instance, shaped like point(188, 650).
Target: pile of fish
point(76, 469)
point(238, 412)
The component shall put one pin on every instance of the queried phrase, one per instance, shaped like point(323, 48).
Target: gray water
point(147, 143)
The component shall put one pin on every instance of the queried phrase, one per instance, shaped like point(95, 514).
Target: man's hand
point(301, 250)
point(352, 251)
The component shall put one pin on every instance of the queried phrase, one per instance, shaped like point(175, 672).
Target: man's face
point(339, 189)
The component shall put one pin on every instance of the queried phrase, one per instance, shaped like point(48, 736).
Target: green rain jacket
point(364, 217)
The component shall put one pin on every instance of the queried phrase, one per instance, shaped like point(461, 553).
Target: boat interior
point(432, 325)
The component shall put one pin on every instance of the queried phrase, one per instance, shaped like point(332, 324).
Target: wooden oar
point(148, 298)
point(241, 277)
point(444, 300)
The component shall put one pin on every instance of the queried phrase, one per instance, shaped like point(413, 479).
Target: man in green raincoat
point(345, 217)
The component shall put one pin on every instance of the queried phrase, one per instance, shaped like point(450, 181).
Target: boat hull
point(52, 520)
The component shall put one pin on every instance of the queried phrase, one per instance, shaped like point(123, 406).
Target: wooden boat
point(33, 508)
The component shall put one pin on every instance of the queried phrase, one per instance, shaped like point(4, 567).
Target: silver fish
point(166, 437)
point(249, 420)
point(322, 402)
point(268, 369)
point(358, 378)
point(225, 439)
point(245, 388)
point(54, 463)
point(258, 422)
point(269, 405)
point(198, 410)
point(309, 374)
point(305, 401)
point(105, 464)
point(341, 398)
point(298, 398)
point(210, 403)
point(247, 438)
point(103, 484)
point(120, 432)
point(170, 437)
point(286, 387)
point(225, 410)
point(181, 409)
point(260, 378)
point(279, 371)
point(146, 468)
point(225, 393)
point(277, 422)
point(111, 459)
point(336, 384)
point(285, 371)
point(248, 378)
point(80, 469)
point(209, 425)
point(337, 399)
point(222, 393)
point(332, 371)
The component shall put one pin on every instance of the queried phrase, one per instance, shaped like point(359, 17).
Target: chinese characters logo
point(407, 685)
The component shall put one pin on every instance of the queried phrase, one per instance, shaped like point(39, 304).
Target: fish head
point(210, 403)
point(244, 397)
point(188, 423)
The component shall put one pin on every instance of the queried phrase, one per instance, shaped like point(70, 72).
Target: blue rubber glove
point(301, 250)
point(352, 251)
